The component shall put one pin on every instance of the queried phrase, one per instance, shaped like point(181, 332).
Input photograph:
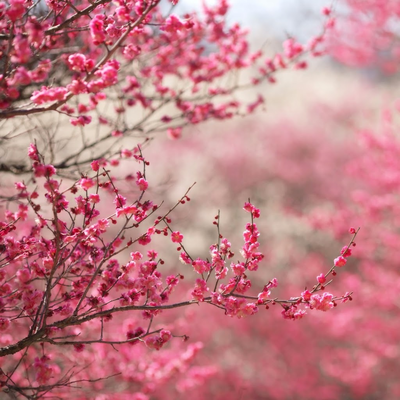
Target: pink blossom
point(293, 313)
point(339, 261)
point(174, 133)
point(199, 290)
point(322, 303)
point(43, 170)
point(321, 279)
point(97, 29)
point(94, 198)
point(20, 186)
point(43, 370)
point(45, 95)
point(16, 9)
point(21, 77)
point(33, 152)
point(263, 296)
point(136, 256)
point(238, 269)
point(176, 237)
point(78, 86)
point(79, 62)
point(306, 295)
point(172, 24)
point(23, 275)
point(165, 335)
point(81, 120)
point(184, 258)
point(200, 266)
point(86, 183)
point(126, 153)
point(345, 252)
point(117, 133)
point(144, 239)
point(119, 201)
point(142, 183)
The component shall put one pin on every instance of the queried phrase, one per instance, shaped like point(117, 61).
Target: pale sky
point(300, 18)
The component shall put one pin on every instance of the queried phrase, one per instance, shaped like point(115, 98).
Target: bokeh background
point(322, 156)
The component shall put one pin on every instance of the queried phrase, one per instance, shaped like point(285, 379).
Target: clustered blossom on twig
point(66, 270)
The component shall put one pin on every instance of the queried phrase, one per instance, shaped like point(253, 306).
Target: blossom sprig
point(70, 270)
point(92, 74)
point(232, 296)
point(326, 301)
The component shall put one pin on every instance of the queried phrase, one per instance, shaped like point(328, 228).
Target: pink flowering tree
point(86, 298)
point(354, 354)
point(366, 34)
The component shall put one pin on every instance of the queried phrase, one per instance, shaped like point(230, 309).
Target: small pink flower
point(144, 239)
point(136, 256)
point(345, 252)
point(20, 186)
point(339, 261)
point(23, 275)
point(174, 133)
point(176, 237)
point(95, 165)
point(238, 269)
point(48, 262)
point(263, 296)
point(97, 29)
point(126, 153)
point(86, 183)
point(306, 295)
point(81, 121)
point(321, 279)
point(33, 152)
point(117, 133)
point(165, 335)
point(322, 303)
point(142, 183)
point(94, 198)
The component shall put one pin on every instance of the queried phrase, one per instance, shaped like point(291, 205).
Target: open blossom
point(43, 370)
point(321, 279)
point(199, 290)
point(144, 239)
point(174, 133)
point(200, 265)
point(339, 261)
point(238, 269)
point(33, 152)
point(176, 237)
point(346, 251)
point(45, 95)
point(86, 183)
point(251, 209)
point(81, 120)
point(263, 296)
point(306, 295)
point(322, 303)
point(79, 62)
point(142, 183)
point(94, 198)
point(43, 170)
point(97, 29)
point(293, 313)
